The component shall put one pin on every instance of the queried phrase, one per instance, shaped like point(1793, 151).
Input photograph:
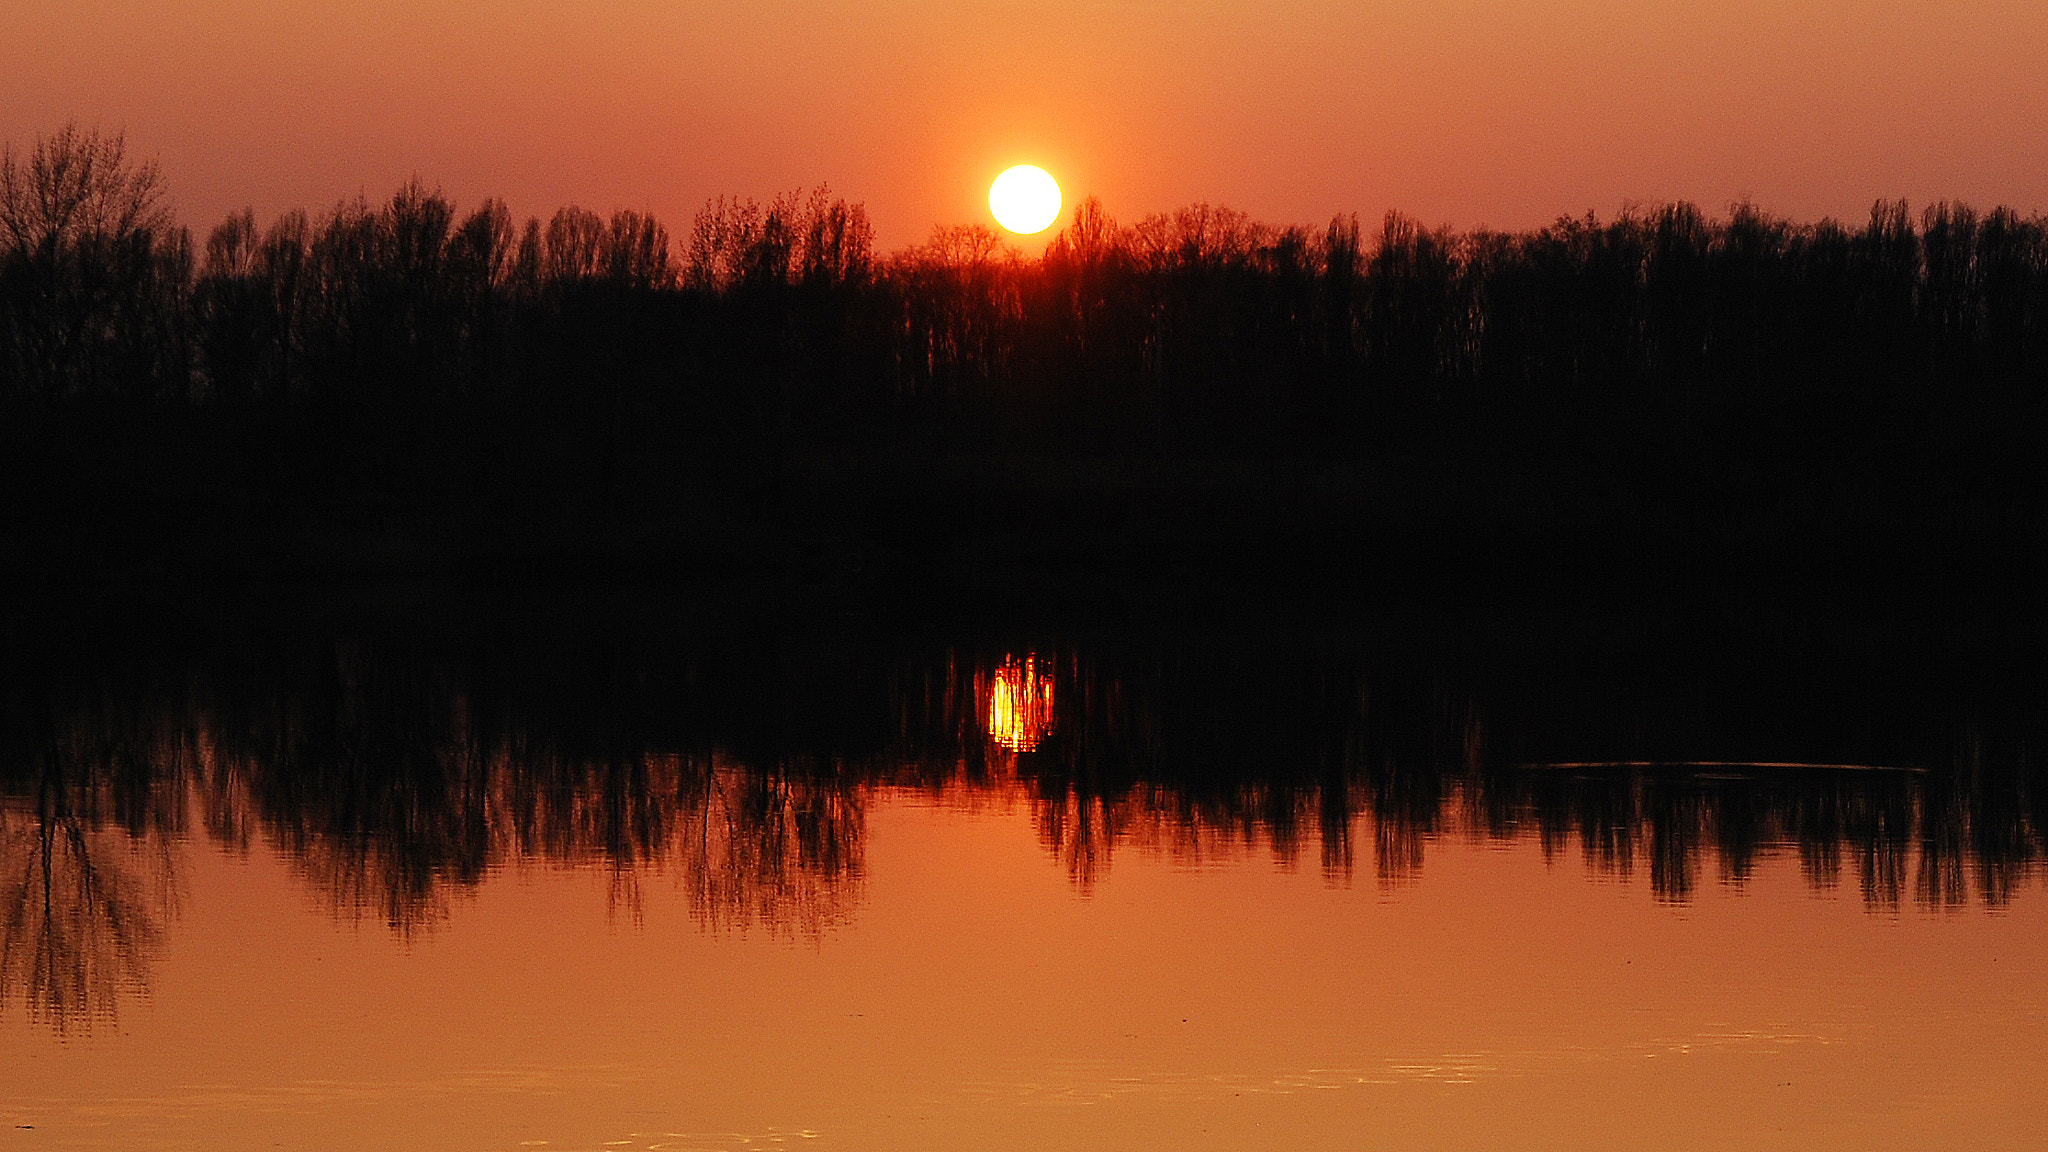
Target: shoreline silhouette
point(405, 390)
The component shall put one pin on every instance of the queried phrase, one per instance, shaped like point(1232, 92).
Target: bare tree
point(634, 252)
point(575, 246)
point(74, 187)
point(88, 255)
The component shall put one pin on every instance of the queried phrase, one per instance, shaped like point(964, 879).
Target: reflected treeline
point(394, 782)
point(91, 804)
point(426, 379)
point(397, 771)
point(1354, 769)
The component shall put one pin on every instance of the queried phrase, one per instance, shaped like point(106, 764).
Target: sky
point(1503, 113)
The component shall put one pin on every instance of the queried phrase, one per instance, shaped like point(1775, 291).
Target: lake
point(691, 879)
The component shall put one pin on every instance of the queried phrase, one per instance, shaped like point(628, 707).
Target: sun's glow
point(1020, 702)
point(1025, 199)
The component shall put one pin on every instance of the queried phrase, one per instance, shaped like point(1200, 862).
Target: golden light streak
point(1020, 695)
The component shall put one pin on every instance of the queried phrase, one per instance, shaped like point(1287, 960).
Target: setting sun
point(1025, 199)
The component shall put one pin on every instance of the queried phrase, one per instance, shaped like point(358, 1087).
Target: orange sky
point(1501, 112)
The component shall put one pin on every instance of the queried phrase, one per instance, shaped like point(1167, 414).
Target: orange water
point(965, 992)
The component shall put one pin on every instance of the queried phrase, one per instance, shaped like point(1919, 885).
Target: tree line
point(1199, 322)
point(407, 387)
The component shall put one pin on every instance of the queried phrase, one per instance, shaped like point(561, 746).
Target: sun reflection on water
point(1020, 703)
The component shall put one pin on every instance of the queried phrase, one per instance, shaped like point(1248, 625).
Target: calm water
point(633, 886)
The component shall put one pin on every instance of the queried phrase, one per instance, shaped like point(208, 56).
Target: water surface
point(332, 888)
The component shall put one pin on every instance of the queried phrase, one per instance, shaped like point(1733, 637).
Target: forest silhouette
point(405, 388)
point(397, 764)
point(1195, 414)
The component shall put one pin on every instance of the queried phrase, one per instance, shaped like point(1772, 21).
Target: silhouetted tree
point(93, 272)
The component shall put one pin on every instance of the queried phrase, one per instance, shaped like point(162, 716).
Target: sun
point(1025, 199)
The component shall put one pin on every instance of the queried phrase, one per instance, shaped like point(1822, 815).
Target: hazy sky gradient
point(1464, 112)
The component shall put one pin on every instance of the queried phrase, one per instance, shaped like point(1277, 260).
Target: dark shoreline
point(191, 503)
point(413, 734)
point(1658, 406)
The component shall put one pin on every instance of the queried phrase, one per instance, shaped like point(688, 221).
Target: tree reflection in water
point(88, 816)
point(397, 775)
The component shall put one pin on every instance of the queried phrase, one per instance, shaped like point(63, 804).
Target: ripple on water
point(1084, 1085)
